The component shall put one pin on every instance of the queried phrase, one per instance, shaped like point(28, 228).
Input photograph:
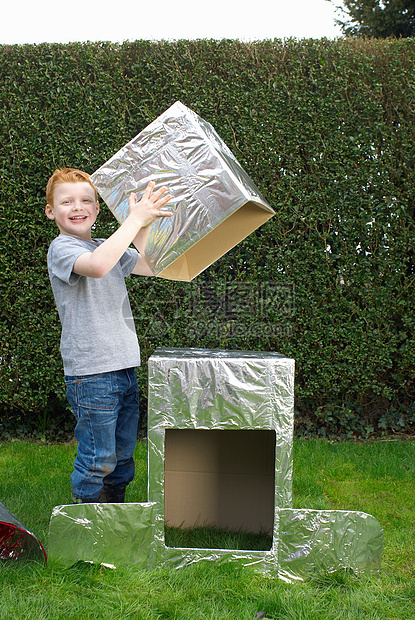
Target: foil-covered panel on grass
point(313, 542)
point(112, 534)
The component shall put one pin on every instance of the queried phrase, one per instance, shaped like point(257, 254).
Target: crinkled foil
point(312, 542)
point(112, 534)
point(182, 151)
point(306, 543)
point(214, 389)
point(199, 389)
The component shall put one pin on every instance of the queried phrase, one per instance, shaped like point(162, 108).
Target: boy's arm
point(141, 268)
point(98, 263)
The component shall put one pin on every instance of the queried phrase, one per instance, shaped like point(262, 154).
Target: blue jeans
point(106, 410)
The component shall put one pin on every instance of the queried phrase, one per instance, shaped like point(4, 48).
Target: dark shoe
point(112, 495)
point(86, 500)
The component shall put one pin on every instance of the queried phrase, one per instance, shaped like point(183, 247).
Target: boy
point(99, 344)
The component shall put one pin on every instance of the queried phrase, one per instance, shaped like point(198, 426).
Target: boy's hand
point(149, 207)
point(98, 263)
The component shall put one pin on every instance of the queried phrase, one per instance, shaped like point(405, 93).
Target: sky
point(39, 21)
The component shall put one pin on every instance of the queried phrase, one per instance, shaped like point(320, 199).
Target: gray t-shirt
point(98, 333)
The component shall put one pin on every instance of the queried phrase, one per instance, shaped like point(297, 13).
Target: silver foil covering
point(212, 390)
point(313, 542)
point(306, 543)
point(182, 151)
point(112, 534)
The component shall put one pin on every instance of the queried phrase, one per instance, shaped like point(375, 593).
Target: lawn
point(375, 477)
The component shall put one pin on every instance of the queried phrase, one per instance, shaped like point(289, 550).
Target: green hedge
point(325, 128)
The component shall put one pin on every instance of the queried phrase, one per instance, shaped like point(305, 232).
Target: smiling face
point(74, 209)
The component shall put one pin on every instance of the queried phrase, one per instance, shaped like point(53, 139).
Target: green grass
point(216, 538)
point(375, 477)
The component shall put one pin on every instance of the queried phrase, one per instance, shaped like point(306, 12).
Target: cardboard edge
point(217, 242)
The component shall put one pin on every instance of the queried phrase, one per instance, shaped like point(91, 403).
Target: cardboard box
point(220, 426)
point(220, 477)
point(219, 446)
point(215, 203)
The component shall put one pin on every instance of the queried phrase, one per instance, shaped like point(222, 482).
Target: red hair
point(66, 175)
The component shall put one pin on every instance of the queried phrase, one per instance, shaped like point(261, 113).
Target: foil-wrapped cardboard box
point(220, 439)
point(215, 203)
point(220, 428)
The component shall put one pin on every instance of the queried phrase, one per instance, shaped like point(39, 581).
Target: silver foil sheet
point(225, 393)
point(182, 151)
point(111, 534)
point(306, 543)
point(313, 542)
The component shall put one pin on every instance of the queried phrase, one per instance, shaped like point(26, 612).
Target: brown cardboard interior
point(215, 244)
point(220, 478)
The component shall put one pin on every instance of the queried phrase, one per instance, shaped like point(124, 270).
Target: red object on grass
point(16, 542)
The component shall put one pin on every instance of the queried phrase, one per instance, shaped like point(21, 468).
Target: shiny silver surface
point(313, 542)
point(215, 389)
point(112, 534)
point(182, 151)
point(225, 390)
